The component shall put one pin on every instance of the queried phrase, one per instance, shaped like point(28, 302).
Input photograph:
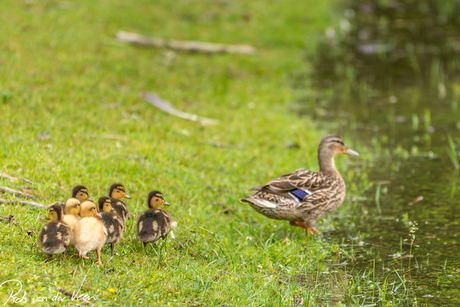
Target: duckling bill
point(54, 238)
point(154, 223)
point(303, 197)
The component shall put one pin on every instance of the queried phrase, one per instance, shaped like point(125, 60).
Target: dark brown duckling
point(112, 222)
point(55, 236)
point(116, 193)
point(154, 223)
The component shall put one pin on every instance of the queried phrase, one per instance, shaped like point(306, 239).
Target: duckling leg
point(113, 247)
point(99, 262)
point(145, 244)
point(65, 251)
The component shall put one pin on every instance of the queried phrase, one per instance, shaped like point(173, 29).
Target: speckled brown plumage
point(54, 238)
point(325, 190)
point(154, 223)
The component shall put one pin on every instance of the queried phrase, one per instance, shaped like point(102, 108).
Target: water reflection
point(389, 78)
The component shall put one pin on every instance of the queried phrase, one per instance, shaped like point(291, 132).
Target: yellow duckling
point(90, 233)
point(154, 223)
point(55, 236)
point(112, 221)
point(81, 193)
point(117, 192)
point(71, 216)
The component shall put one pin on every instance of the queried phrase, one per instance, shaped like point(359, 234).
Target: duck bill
point(98, 215)
point(351, 152)
point(112, 210)
point(127, 196)
point(166, 203)
point(90, 199)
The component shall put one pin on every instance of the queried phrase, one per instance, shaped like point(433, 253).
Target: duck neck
point(326, 163)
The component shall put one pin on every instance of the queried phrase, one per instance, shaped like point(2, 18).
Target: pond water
point(388, 79)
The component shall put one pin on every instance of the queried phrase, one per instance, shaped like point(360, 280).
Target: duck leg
point(99, 262)
point(113, 247)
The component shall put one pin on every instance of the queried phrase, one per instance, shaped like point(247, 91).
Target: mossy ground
point(71, 114)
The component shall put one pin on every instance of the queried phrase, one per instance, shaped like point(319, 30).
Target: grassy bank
point(71, 114)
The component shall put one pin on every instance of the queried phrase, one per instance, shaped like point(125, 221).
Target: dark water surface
point(389, 79)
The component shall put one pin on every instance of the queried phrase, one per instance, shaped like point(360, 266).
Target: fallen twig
point(3, 175)
point(222, 145)
point(23, 202)
point(416, 200)
point(194, 46)
point(16, 193)
point(75, 297)
point(168, 108)
point(8, 219)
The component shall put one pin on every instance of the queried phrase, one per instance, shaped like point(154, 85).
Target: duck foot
point(312, 230)
point(308, 230)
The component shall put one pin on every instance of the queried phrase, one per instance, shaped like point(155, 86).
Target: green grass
point(63, 75)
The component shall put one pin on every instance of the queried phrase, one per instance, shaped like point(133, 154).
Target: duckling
point(154, 223)
point(117, 192)
point(112, 221)
point(72, 216)
point(81, 193)
point(55, 236)
point(90, 233)
point(303, 197)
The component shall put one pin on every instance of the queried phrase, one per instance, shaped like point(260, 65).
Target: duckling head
point(81, 193)
point(101, 201)
point(55, 213)
point(117, 191)
point(105, 205)
point(72, 206)
point(88, 209)
point(155, 199)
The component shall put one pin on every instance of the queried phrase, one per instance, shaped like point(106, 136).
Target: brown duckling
point(72, 216)
point(55, 236)
point(112, 221)
point(81, 193)
point(116, 193)
point(154, 223)
point(90, 233)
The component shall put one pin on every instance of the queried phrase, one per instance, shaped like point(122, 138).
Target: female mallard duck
point(90, 233)
point(55, 236)
point(112, 222)
point(117, 192)
point(154, 223)
point(303, 197)
point(81, 193)
point(72, 215)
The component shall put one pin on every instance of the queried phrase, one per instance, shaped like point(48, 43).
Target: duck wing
point(302, 183)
